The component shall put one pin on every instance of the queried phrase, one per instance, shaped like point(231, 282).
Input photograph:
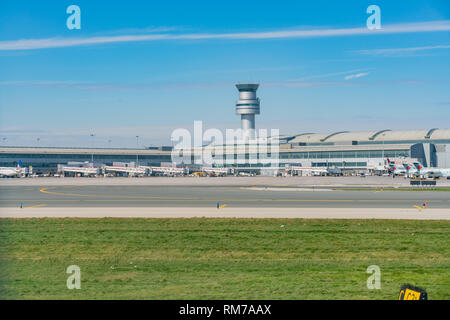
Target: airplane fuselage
point(9, 172)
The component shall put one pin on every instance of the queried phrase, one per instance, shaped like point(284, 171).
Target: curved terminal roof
point(440, 134)
point(402, 135)
point(378, 135)
point(309, 138)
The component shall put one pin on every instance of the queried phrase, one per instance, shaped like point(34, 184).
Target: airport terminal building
point(345, 150)
point(368, 150)
point(348, 151)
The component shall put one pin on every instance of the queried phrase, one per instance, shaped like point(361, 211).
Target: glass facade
point(345, 154)
point(43, 163)
point(339, 164)
point(48, 162)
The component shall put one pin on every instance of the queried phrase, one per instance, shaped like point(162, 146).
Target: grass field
point(222, 258)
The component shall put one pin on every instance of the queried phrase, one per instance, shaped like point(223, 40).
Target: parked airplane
point(396, 169)
point(432, 172)
point(411, 170)
point(12, 171)
point(9, 171)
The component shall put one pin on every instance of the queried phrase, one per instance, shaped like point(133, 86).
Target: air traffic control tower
point(247, 106)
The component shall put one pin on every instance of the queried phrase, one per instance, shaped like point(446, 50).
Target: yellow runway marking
point(423, 207)
point(115, 198)
point(44, 190)
point(143, 198)
point(36, 206)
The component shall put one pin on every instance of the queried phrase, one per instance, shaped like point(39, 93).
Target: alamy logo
point(210, 147)
point(374, 281)
point(74, 20)
point(374, 21)
point(74, 280)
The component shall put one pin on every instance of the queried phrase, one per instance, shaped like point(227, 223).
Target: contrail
point(34, 44)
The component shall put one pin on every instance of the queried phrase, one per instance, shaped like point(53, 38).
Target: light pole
point(137, 147)
point(38, 139)
point(307, 145)
point(92, 147)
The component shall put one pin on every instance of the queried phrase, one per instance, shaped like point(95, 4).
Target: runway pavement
point(355, 181)
point(208, 197)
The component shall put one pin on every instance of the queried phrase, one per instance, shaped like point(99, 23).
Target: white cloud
point(393, 51)
point(327, 75)
point(357, 75)
point(33, 44)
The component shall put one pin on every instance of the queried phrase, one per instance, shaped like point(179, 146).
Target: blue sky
point(147, 67)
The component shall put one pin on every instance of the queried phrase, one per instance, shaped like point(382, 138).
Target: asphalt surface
point(192, 196)
point(349, 181)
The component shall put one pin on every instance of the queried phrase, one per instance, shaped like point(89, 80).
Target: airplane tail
point(19, 165)
point(418, 165)
point(410, 167)
point(390, 165)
